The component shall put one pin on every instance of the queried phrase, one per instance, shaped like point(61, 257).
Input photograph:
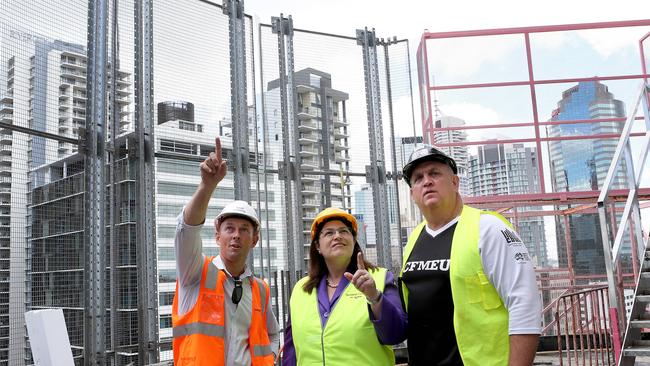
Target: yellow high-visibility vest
point(349, 338)
point(480, 318)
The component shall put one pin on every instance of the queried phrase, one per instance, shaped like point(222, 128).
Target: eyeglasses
point(329, 233)
point(237, 291)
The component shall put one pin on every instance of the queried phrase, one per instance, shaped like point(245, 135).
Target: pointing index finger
point(360, 264)
point(217, 147)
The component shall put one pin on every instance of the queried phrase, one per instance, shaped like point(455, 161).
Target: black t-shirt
point(431, 337)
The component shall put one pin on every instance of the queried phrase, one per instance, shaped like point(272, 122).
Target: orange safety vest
point(199, 334)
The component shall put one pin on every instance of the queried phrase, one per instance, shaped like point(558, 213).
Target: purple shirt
point(390, 327)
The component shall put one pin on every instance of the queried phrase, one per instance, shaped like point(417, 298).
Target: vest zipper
point(322, 344)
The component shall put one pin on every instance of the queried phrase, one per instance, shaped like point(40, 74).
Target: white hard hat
point(239, 209)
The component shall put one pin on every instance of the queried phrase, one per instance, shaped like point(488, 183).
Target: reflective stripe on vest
point(480, 318)
point(262, 350)
point(348, 337)
point(261, 286)
point(198, 328)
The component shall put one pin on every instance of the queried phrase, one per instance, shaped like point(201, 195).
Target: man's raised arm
point(213, 169)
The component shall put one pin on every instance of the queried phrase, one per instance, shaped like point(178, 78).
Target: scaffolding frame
point(511, 205)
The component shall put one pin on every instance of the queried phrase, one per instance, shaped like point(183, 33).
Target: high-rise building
point(322, 126)
point(56, 244)
point(42, 87)
point(500, 169)
point(581, 165)
point(459, 153)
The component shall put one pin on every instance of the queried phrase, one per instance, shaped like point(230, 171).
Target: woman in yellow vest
point(346, 311)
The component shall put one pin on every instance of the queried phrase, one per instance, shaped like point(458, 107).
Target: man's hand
point(213, 168)
point(362, 280)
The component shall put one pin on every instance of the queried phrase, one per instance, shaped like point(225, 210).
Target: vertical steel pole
point(393, 150)
point(95, 160)
point(148, 351)
point(238, 100)
point(376, 173)
point(266, 152)
point(292, 104)
point(327, 149)
point(113, 197)
point(283, 27)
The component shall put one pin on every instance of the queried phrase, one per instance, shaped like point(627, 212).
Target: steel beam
point(376, 170)
point(238, 99)
point(148, 351)
point(393, 150)
point(289, 171)
point(94, 205)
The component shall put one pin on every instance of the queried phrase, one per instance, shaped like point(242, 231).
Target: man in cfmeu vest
point(221, 313)
point(467, 281)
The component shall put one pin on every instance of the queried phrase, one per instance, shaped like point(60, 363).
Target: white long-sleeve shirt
point(508, 267)
point(189, 266)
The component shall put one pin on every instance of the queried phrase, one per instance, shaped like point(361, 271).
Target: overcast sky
point(408, 18)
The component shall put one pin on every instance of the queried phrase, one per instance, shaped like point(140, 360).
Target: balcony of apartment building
point(122, 99)
point(64, 148)
point(7, 117)
point(73, 60)
point(340, 146)
point(338, 123)
point(310, 178)
point(308, 151)
point(79, 95)
point(307, 138)
point(308, 126)
point(73, 73)
point(340, 134)
point(304, 89)
point(7, 106)
point(79, 116)
point(341, 157)
point(5, 137)
point(307, 113)
point(310, 202)
point(310, 189)
point(309, 163)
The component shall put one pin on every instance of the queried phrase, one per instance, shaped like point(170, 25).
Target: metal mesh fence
point(327, 142)
point(42, 88)
point(309, 143)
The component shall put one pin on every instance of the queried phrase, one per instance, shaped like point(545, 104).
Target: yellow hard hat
point(329, 213)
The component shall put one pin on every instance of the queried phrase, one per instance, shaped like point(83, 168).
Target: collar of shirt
point(435, 233)
point(325, 305)
point(219, 263)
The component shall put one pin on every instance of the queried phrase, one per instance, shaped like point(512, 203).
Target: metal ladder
point(630, 345)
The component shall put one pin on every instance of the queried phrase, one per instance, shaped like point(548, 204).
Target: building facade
point(501, 169)
point(321, 127)
point(459, 153)
point(581, 165)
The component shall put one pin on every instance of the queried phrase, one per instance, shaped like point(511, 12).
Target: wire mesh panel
point(192, 83)
point(321, 148)
point(43, 96)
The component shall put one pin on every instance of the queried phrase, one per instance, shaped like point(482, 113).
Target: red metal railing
point(583, 328)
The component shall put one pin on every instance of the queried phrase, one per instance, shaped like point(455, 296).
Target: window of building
point(166, 254)
point(165, 321)
point(165, 298)
point(166, 275)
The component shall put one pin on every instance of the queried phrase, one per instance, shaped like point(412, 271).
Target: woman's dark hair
point(317, 266)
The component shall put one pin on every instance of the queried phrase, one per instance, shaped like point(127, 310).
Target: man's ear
point(256, 238)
